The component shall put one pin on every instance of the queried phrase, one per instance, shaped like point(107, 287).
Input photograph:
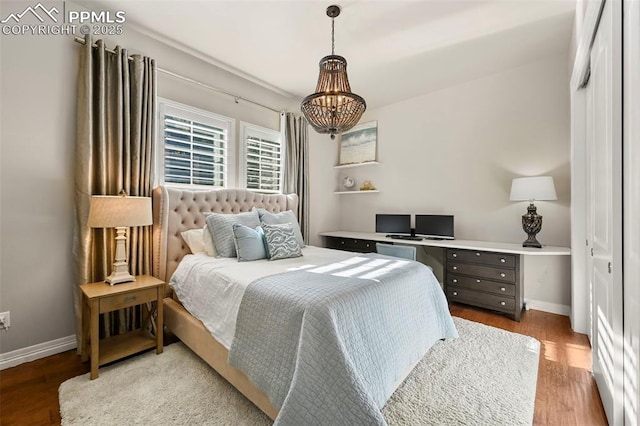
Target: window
point(197, 146)
point(263, 158)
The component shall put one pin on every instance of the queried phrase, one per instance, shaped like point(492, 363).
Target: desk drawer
point(482, 257)
point(133, 298)
point(499, 274)
point(460, 295)
point(351, 244)
point(481, 284)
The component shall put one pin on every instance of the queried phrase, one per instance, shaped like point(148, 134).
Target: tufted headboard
point(176, 210)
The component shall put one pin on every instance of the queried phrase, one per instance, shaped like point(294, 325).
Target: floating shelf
point(348, 166)
point(355, 192)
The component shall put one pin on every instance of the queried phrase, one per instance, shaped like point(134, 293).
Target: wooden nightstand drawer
point(133, 298)
point(482, 257)
point(485, 300)
point(480, 284)
point(498, 274)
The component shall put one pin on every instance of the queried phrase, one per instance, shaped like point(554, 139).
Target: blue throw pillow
point(281, 241)
point(250, 243)
point(221, 227)
point(282, 217)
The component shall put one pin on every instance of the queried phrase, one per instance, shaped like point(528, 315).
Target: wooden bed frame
point(176, 210)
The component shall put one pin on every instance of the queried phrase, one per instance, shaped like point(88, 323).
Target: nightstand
point(99, 298)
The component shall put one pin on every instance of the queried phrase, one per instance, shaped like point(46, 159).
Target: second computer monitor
point(393, 223)
point(435, 226)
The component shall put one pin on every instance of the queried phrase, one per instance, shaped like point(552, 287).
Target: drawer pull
point(502, 274)
point(455, 293)
point(455, 268)
point(130, 299)
point(503, 289)
point(367, 245)
point(478, 281)
point(342, 242)
point(477, 254)
point(454, 255)
point(503, 260)
point(503, 303)
point(455, 280)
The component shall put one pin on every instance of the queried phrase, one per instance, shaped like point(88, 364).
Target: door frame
point(580, 289)
point(581, 317)
point(631, 207)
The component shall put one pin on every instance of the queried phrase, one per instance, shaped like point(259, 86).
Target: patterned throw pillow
point(221, 228)
point(281, 241)
point(250, 243)
point(282, 217)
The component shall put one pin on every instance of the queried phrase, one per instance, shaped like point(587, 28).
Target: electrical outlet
point(5, 320)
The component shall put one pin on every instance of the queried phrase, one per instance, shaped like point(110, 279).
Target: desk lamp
point(120, 212)
point(539, 188)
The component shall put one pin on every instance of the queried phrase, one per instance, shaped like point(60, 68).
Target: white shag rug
point(485, 377)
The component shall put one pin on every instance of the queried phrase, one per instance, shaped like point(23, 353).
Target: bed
point(177, 210)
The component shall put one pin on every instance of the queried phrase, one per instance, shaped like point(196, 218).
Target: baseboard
point(554, 308)
point(41, 350)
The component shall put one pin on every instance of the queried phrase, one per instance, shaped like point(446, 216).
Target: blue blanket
point(329, 344)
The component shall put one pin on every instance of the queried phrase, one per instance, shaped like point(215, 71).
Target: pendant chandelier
point(333, 108)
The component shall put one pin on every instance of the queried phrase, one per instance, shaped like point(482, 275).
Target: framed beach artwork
point(358, 145)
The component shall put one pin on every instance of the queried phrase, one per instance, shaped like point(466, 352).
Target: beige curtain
point(116, 116)
point(296, 168)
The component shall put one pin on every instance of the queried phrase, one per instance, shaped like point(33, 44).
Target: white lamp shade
point(109, 211)
point(533, 188)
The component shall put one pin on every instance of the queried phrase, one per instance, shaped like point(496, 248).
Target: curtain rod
point(237, 98)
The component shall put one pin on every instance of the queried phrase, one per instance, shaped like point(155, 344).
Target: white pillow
point(209, 247)
point(199, 241)
point(193, 238)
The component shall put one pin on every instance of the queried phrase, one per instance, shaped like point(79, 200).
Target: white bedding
point(211, 289)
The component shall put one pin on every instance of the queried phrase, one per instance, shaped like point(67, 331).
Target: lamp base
point(529, 243)
point(120, 277)
point(120, 272)
point(531, 224)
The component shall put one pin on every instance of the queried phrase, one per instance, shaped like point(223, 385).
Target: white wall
point(38, 86)
point(36, 188)
point(324, 212)
point(456, 151)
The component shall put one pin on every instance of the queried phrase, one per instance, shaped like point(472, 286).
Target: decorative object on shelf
point(333, 108)
point(540, 188)
point(358, 145)
point(367, 186)
point(349, 183)
point(119, 211)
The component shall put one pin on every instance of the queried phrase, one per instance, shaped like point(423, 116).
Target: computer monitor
point(435, 226)
point(393, 223)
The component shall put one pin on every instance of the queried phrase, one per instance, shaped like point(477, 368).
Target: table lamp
point(120, 212)
point(539, 188)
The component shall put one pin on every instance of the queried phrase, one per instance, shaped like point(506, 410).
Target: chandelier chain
point(333, 40)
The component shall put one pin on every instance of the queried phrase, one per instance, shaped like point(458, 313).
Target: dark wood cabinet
point(485, 279)
point(350, 244)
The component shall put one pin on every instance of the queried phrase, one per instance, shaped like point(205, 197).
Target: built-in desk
point(480, 273)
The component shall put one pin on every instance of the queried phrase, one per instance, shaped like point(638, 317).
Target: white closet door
point(631, 188)
point(605, 207)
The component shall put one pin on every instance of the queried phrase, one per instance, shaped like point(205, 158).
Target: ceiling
point(395, 49)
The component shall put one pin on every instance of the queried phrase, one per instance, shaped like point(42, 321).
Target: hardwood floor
point(566, 393)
